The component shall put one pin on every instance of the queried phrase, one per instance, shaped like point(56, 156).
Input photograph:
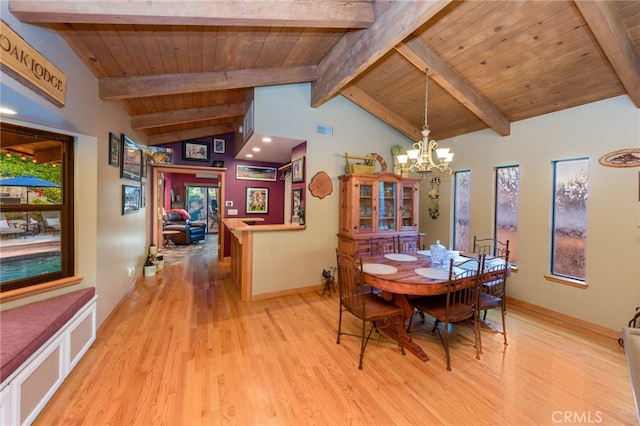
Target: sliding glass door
point(202, 205)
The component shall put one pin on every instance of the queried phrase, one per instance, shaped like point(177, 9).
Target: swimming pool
point(29, 266)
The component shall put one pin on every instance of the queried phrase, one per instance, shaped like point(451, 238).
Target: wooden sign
point(628, 157)
point(27, 65)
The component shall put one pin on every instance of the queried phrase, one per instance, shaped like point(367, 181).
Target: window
point(506, 208)
point(36, 207)
point(461, 210)
point(570, 189)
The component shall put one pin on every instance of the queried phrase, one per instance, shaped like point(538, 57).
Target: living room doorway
point(160, 200)
point(202, 204)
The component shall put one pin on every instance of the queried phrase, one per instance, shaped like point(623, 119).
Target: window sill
point(566, 281)
point(21, 293)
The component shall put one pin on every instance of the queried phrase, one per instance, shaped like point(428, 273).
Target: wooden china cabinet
point(373, 206)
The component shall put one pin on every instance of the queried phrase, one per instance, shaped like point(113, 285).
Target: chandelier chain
point(420, 159)
point(426, 98)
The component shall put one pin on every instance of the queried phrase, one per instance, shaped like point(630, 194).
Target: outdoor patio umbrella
point(28, 181)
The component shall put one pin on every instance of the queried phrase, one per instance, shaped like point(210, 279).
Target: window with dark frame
point(36, 206)
point(569, 220)
point(461, 210)
point(506, 208)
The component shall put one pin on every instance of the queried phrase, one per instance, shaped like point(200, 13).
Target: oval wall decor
point(628, 157)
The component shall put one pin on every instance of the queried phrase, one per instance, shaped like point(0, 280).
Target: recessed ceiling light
point(249, 155)
point(256, 149)
point(7, 111)
point(266, 139)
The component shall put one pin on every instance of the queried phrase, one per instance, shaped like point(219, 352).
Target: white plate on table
point(401, 257)
point(378, 268)
point(424, 252)
point(433, 273)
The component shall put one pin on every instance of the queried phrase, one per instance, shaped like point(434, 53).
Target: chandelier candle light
point(420, 158)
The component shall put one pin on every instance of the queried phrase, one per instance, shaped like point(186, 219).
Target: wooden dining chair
point(457, 305)
point(493, 286)
point(490, 246)
point(383, 245)
point(409, 243)
point(368, 307)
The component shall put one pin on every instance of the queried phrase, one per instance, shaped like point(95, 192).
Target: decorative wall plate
point(320, 185)
point(628, 157)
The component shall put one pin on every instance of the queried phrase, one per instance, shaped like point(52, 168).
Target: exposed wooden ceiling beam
point(199, 132)
point(422, 57)
point(609, 31)
point(169, 84)
point(263, 13)
point(167, 118)
point(358, 50)
point(374, 107)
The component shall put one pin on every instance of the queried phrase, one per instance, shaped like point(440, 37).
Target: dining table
point(402, 276)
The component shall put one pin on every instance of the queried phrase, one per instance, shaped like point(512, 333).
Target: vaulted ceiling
point(181, 69)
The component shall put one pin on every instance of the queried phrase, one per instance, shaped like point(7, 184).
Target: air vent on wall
point(324, 130)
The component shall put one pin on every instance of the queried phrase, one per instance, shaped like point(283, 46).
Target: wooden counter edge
point(239, 224)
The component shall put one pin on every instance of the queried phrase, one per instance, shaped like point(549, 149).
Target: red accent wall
point(235, 189)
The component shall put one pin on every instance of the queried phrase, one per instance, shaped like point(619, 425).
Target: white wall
point(297, 258)
point(110, 248)
point(613, 241)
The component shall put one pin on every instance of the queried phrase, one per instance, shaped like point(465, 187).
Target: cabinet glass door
point(387, 201)
point(365, 210)
point(407, 206)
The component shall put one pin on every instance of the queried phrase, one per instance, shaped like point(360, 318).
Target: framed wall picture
point(218, 146)
point(114, 150)
point(244, 172)
point(160, 155)
point(195, 151)
point(143, 195)
point(145, 161)
point(130, 199)
point(131, 164)
point(297, 170)
point(296, 201)
point(257, 200)
point(219, 164)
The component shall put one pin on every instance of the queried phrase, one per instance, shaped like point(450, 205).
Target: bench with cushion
point(40, 343)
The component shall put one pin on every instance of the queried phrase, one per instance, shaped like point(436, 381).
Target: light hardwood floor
point(181, 349)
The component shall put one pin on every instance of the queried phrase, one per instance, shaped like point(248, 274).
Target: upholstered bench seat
point(41, 343)
point(26, 328)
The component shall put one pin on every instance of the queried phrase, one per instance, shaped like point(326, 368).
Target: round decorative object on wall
point(320, 185)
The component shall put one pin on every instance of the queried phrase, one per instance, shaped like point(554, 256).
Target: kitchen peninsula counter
point(242, 253)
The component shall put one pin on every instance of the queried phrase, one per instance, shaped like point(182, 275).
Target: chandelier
point(420, 159)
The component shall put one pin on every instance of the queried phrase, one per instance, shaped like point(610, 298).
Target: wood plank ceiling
point(182, 69)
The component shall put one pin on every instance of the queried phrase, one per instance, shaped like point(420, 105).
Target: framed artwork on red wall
point(257, 200)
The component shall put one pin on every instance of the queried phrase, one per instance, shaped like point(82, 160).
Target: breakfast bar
point(243, 256)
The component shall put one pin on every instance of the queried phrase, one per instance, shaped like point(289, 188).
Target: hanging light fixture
point(420, 158)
